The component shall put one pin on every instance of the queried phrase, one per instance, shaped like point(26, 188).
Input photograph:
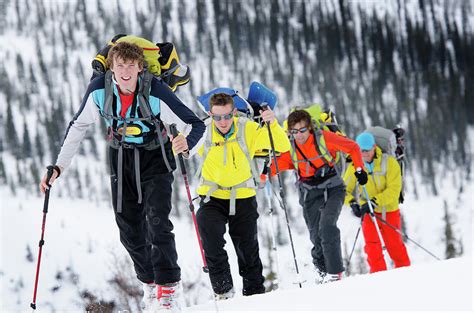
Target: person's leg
point(393, 240)
point(243, 231)
point(157, 191)
point(211, 219)
point(373, 246)
point(311, 201)
point(329, 232)
point(131, 222)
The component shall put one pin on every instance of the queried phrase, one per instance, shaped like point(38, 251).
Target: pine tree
point(2, 139)
point(11, 133)
point(449, 239)
point(35, 174)
point(20, 67)
point(27, 149)
point(3, 173)
point(39, 149)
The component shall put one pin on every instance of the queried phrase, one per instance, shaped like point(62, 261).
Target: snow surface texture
point(420, 287)
point(82, 252)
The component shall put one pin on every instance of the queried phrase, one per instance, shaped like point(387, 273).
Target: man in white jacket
point(134, 105)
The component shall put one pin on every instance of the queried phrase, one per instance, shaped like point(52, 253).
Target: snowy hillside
point(82, 255)
point(438, 286)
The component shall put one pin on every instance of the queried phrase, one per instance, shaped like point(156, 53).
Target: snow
point(82, 247)
point(419, 287)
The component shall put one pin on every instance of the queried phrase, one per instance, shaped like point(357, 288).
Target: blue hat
point(366, 141)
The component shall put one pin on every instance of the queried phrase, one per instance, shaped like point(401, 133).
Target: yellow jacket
point(384, 188)
point(237, 168)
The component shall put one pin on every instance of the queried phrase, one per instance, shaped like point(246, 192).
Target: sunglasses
point(366, 150)
point(226, 117)
point(294, 131)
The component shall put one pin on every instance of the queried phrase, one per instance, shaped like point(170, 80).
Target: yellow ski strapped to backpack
point(161, 60)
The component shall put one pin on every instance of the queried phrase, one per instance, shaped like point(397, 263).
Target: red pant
point(393, 242)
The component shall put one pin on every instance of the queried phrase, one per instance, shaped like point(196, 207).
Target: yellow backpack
point(161, 60)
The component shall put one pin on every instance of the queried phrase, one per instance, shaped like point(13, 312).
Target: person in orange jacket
point(321, 188)
point(383, 189)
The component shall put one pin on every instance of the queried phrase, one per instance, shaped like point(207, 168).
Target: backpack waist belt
point(249, 183)
point(317, 180)
point(120, 145)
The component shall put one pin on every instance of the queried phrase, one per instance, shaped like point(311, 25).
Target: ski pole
point(174, 132)
point(353, 246)
point(41, 242)
point(270, 212)
point(264, 106)
point(182, 165)
point(401, 233)
point(372, 216)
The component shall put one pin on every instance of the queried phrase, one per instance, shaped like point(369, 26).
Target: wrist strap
point(57, 169)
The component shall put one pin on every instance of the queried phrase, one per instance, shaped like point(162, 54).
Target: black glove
point(365, 207)
point(361, 176)
point(355, 208)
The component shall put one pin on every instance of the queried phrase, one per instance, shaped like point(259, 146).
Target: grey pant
point(321, 214)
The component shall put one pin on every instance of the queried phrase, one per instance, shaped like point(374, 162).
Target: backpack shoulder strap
point(206, 146)
point(144, 94)
point(383, 165)
point(320, 144)
point(305, 157)
point(109, 94)
point(146, 78)
point(240, 137)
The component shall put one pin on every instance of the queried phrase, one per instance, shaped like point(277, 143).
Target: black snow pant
point(212, 218)
point(145, 229)
point(321, 210)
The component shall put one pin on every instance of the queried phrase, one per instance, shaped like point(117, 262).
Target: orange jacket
point(334, 143)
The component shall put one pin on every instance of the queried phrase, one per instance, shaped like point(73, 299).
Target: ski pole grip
point(174, 132)
point(49, 174)
point(264, 106)
point(50, 169)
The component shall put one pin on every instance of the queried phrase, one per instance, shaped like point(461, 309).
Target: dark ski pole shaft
point(282, 194)
point(174, 132)
point(405, 236)
point(41, 242)
point(354, 245)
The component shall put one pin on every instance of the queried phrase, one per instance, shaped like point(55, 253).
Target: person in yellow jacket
point(228, 181)
point(383, 187)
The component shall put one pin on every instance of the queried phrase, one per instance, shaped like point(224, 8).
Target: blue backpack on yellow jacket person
point(227, 190)
point(383, 187)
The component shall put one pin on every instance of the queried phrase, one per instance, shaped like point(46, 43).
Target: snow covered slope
point(440, 285)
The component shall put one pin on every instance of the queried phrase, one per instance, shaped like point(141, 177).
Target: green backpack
point(322, 120)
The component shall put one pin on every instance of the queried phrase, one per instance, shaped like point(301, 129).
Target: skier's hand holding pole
point(49, 177)
point(267, 114)
point(179, 144)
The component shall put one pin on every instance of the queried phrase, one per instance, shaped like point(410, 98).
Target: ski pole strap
point(136, 157)
point(52, 168)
